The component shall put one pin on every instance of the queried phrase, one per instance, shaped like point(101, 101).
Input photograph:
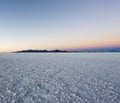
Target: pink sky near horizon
point(66, 45)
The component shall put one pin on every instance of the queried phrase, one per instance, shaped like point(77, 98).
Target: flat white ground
point(60, 78)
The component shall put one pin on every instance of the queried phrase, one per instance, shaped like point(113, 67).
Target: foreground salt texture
point(60, 78)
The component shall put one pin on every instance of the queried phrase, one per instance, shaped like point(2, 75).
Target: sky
point(59, 24)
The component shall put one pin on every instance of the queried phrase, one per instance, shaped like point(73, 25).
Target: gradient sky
point(59, 24)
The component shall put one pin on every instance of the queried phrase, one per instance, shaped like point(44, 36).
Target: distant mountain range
point(110, 49)
point(114, 49)
point(38, 51)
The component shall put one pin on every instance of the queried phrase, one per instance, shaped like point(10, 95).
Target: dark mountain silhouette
point(38, 51)
point(110, 49)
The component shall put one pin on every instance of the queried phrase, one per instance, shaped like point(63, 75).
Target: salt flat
point(60, 78)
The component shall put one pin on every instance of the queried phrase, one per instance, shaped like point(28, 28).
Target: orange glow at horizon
point(69, 45)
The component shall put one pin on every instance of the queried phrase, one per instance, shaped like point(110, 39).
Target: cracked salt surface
point(60, 78)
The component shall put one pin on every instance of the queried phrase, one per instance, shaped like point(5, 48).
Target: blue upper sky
point(59, 24)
